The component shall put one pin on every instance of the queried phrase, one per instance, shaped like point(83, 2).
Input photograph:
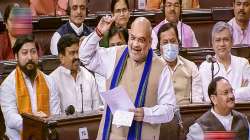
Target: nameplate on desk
point(83, 133)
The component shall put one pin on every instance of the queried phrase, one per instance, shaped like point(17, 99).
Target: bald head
point(139, 39)
point(144, 23)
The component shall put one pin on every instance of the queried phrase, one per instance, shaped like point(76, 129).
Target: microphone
point(70, 110)
point(81, 90)
point(178, 115)
point(210, 59)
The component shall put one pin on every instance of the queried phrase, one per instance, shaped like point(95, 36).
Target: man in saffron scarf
point(26, 89)
point(143, 75)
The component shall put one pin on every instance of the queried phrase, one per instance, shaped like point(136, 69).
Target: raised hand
point(104, 24)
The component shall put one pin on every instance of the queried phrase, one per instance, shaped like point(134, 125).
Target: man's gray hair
point(220, 26)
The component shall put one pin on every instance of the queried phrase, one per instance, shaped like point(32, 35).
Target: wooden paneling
point(215, 3)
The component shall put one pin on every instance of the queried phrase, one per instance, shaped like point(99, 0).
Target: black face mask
point(31, 73)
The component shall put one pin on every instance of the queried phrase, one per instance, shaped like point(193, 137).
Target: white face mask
point(170, 52)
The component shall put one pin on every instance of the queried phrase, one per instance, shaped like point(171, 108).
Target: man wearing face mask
point(186, 77)
point(73, 80)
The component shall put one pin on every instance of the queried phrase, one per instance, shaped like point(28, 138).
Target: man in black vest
point(77, 13)
point(221, 117)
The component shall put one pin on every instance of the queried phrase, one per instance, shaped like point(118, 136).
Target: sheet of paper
point(123, 118)
point(117, 99)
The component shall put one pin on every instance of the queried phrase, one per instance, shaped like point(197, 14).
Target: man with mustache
point(77, 12)
point(172, 11)
point(140, 72)
point(26, 89)
point(75, 83)
point(235, 69)
point(221, 117)
point(241, 22)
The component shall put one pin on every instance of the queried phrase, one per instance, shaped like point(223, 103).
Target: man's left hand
point(139, 114)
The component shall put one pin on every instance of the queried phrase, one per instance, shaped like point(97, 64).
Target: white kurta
point(196, 132)
point(102, 61)
point(238, 75)
point(8, 101)
point(70, 89)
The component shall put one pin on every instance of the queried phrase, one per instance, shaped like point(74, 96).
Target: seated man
point(235, 69)
point(26, 89)
point(172, 9)
point(241, 22)
point(186, 77)
point(75, 25)
point(75, 83)
point(141, 73)
point(221, 117)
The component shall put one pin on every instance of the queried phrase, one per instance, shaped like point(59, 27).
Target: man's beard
point(30, 72)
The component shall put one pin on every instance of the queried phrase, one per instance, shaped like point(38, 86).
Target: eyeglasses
point(226, 92)
point(119, 11)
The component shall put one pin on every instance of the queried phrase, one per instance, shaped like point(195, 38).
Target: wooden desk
point(59, 127)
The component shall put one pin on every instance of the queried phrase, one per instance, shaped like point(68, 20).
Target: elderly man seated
point(235, 69)
point(221, 117)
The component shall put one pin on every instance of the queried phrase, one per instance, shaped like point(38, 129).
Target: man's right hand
point(105, 23)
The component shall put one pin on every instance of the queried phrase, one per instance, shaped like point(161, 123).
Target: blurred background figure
point(18, 22)
point(186, 4)
point(241, 23)
point(49, 7)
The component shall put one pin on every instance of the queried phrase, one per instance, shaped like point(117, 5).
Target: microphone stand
point(212, 69)
point(82, 96)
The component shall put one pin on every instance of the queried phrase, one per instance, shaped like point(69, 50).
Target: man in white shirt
point(75, 83)
point(77, 13)
point(128, 66)
point(221, 117)
point(235, 69)
point(26, 89)
point(184, 72)
point(172, 11)
point(241, 22)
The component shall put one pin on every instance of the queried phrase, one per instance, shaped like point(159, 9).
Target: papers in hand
point(119, 104)
point(123, 118)
point(117, 99)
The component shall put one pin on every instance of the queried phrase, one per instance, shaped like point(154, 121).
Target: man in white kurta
point(103, 61)
point(26, 53)
point(75, 83)
point(235, 69)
